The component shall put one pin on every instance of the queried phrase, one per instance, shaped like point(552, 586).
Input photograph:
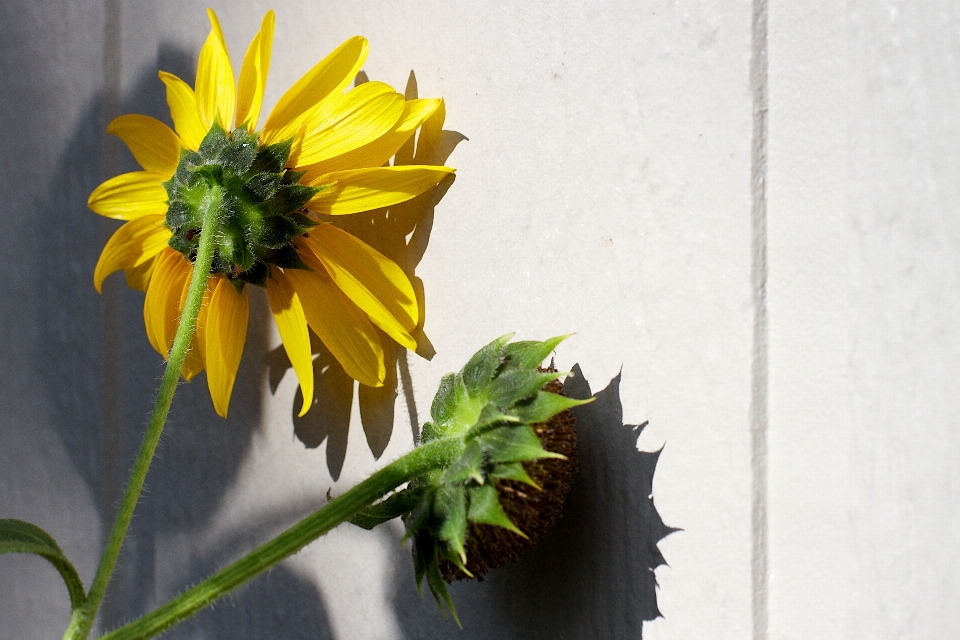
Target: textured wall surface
point(747, 210)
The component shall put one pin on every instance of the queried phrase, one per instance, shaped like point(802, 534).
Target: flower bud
point(518, 442)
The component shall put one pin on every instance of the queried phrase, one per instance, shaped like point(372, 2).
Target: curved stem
point(82, 619)
point(434, 455)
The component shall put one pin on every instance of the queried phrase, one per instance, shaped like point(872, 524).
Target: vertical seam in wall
point(110, 469)
point(759, 359)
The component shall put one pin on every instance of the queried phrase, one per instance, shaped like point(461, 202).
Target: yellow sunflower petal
point(350, 121)
point(253, 75)
point(292, 325)
point(155, 146)
point(138, 277)
point(130, 246)
point(130, 195)
point(196, 360)
point(161, 308)
point(372, 281)
point(357, 190)
point(342, 326)
point(378, 152)
point(183, 110)
point(225, 334)
point(216, 88)
point(329, 77)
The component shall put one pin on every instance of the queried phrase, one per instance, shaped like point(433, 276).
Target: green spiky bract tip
point(499, 407)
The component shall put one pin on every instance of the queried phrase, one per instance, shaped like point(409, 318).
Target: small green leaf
point(485, 509)
point(398, 504)
point(469, 465)
point(546, 405)
point(514, 444)
point(530, 354)
point(17, 536)
point(512, 471)
point(479, 370)
point(515, 385)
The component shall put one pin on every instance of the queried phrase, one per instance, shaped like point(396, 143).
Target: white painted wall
point(746, 210)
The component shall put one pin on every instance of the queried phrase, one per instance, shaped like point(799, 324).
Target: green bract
point(488, 407)
point(261, 208)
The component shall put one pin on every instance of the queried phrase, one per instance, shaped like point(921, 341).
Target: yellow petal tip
point(306, 407)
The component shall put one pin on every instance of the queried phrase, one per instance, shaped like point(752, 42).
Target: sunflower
point(322, 151)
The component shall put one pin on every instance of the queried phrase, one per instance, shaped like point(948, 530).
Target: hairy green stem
point(83, 617)
point(435, 455)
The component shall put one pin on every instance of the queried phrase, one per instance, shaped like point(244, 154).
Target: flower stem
point(83, 617)
point(435, 455)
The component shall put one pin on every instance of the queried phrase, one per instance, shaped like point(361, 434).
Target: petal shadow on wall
point(401, 233)
point(593, 576)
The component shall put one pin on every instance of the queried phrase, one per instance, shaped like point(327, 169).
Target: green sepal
point(488, 416)
point(514, 444)
point(485, 508)
point(546, 405)
point(530, 353)
point(177, 243)
point(304, 222)
point(512, 471)
point(469, 466)
point(398, 504)
point(212, 173)
point(453, 410)
point(288, 258)
point(480, 369)
point(264, 185)
point(450, 510)
point(178, 214)
point(417, 518)
point(429, 431)
point(271, 233)
point(213, 143)
point(184, 175)
point(239, 152)
point(439, 588)
point(450, 392)
point(290, 197)
point(423, 547)
point(293, 177)
point(272, 158)
point(17, 536)
point(515, 385)
point(449, 553)
point(237, 285)
point(255, 275)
